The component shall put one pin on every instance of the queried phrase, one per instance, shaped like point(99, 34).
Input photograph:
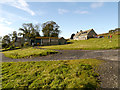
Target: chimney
point(80, 30)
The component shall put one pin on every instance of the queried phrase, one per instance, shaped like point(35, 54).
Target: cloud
point(40, 12)
point(20, 4)
point(81, 12)
point(7, 17)
point(12, 18)
point(96, 5)
point(4, 29)
point(62, 11)
point(67, 0)
point(10, 22)
point(3, 20)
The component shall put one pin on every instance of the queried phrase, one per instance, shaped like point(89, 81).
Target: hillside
point(111, 32)
point(90, 44)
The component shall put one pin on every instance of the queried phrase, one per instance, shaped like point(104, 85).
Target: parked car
point(100, 36)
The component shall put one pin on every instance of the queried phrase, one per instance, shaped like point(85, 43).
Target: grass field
point(27, 52)
point(51, 74)
point(90, 44)
point(8, 49)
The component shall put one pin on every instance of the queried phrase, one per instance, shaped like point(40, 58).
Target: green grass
point(27, 52)
point(90, 44)
point(8, 49)
point(51, 74)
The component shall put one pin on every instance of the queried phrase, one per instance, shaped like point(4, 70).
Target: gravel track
point(71, 54)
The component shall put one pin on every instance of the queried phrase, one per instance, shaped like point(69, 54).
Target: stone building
point(40, 41)
point(45, 41)
point(84, 35)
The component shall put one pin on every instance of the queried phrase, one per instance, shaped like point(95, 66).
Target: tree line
point(30, 31)
point(115, 30)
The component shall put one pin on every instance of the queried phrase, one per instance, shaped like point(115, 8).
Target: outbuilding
point(40, 41)
point(45, 41)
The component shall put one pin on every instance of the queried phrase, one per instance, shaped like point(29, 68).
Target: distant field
point(27, 52)
point(51, 74)
point(90, 44)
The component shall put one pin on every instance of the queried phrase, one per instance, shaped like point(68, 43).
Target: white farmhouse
point(84, 35)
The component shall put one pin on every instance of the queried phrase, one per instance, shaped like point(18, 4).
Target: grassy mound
point(27, 52)
point(90, 44)
point(50, 74)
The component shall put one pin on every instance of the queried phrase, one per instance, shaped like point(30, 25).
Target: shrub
point(12, 47)
point(26, 44)
point(4, 45)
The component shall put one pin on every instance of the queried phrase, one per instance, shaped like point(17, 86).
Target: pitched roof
point(46, 37)
point(83, 32)
point(49, 38)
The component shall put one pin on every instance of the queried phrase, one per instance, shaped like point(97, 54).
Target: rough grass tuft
point(28, 52)
point(50, 74)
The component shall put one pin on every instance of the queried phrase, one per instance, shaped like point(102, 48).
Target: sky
point(70, 16)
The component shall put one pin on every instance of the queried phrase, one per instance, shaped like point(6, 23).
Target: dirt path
point(108, 71)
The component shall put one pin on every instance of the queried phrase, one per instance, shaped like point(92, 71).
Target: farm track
point(109, 70)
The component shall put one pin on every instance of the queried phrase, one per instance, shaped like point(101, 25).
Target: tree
point(0, 42)
point(6, 41)
point(115, 30)
point(13, 36)
point(111, 31)
point(72, 36)
point(50, 29)
point(29, 30)
point(0, 39)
